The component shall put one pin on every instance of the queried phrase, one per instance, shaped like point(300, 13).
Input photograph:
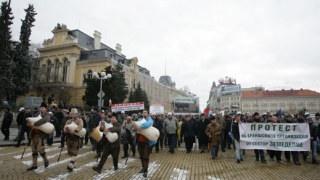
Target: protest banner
point(186, 105)
point(275, 136)
point(156, 108)
point(127, 106)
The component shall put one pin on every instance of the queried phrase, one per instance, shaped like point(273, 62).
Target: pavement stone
point(163, 165)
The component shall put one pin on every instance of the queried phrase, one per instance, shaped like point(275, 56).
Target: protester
point(272, 153)
point(39, 138)
point(109, 148)
point(144, 143)
point(214, 131)
point(93, 123)
point(258, 152)
point(73, 139)
point(313, 141)
point(295, 154)
point(129, 134)
point(6, 123)
point(222, 124)
point(53, 121)
point(24, 128)
point(188, 130)
point(158, 123)
point(201, 129)
point(236, 136)
point(60, 116)
point(171, 125)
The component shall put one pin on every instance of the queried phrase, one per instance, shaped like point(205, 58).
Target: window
point(83, 78)
point(56, 71)
point(65, 70)
point(89, 74)
point(48, 71)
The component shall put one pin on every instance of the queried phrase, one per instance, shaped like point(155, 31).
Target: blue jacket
point(148, 123)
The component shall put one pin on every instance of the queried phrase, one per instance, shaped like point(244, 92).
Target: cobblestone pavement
point(163, 165)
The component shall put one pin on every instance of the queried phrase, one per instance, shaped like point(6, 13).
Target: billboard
point(156, 108)
point(186, 105)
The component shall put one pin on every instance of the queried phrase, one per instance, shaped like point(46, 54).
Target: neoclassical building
point(71, 55)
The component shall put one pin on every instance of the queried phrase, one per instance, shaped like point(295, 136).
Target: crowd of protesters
point(212, 133)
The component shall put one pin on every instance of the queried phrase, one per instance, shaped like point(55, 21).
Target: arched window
point(48, 71)
point(65, 70)
point(56, 71)
point(89, 74)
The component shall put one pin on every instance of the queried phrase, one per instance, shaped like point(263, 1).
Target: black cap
point(317, 114)
point(43, 104)
point(203, 114)
point(95, 109)
point(255, 114)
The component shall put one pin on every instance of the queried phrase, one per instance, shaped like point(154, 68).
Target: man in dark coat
point(63, 135)
point(258, 152)
point(6, 123)
point(202, 137)
point(24, 128)
point(313, 141)
point(295, 154)
point(93, 123)
point(60, 116)
point(188, 130)
point(20, 119)
point(157, 123)
point(53, 121)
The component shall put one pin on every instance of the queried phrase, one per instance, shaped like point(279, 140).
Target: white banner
point(275, 136)
point(156, 108)
point(127, 106)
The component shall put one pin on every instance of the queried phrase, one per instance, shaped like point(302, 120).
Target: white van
point(33, 102)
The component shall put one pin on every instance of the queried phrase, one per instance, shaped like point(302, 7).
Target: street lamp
point(103, 76)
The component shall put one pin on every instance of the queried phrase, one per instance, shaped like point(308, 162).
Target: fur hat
point(74, 111)
point(43, 104)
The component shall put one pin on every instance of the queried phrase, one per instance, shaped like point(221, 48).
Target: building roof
point(280, 93)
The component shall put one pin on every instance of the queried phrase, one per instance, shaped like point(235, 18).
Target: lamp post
point(103, 76)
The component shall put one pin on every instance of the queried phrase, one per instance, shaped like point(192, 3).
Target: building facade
point(291, 101)
point(226, 96)
point(70, 56)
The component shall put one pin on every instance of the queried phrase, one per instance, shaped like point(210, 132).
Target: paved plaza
point(163, 165)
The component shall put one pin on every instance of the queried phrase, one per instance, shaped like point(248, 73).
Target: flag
point(207, 109)
point(279, 113)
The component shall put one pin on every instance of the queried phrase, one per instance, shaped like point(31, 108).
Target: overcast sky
point(270, 43)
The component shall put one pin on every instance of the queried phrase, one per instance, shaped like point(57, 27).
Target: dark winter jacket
point(21, 118)
point(7, 119)
point(188, 129)
point(236, 131)
point(59, 116)
point(158, 123)
point(313, 131)
point(53, 120)
point(94, 121)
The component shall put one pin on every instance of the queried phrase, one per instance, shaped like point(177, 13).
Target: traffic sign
point(99, 102)
point(100, 94)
